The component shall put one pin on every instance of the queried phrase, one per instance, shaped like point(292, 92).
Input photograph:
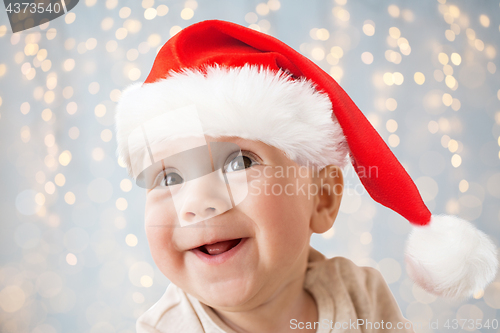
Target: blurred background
point(73, 253)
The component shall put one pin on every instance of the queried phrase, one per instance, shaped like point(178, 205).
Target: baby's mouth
point(219, 247)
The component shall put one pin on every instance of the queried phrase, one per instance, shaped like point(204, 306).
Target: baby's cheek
point(160, 210)
point(285, 216)
point(160, 221)
point(164, 252)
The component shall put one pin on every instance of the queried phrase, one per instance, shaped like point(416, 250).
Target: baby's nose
point(197, 215)
point(207, 197)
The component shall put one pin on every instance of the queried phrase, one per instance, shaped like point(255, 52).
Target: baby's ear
point(329, 183)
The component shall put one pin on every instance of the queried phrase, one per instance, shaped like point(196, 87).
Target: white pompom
point(450, 257)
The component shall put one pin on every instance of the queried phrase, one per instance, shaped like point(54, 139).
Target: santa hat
point(248, 84)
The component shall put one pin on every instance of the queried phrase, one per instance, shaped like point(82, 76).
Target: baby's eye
point(172, 178)
point(238, 162)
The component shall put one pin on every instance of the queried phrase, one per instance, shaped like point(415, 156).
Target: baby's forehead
point(161, 148)
point(192, 148)
point(172, 146)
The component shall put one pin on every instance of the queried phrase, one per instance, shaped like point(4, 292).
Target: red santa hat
point(248, 84)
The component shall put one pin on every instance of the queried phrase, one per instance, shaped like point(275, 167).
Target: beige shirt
point(345, 294)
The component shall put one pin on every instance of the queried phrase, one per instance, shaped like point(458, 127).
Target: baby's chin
point(229, 295)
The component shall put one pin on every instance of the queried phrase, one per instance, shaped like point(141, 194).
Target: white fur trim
point(450, 257)
point(248, 102)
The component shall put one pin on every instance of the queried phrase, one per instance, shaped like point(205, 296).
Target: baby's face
point(238, 257)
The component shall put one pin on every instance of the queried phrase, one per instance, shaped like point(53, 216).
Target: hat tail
point(450, 257)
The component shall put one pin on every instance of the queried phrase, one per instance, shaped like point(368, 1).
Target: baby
point(234, 138)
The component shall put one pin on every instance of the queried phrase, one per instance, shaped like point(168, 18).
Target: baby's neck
point(291, 302)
